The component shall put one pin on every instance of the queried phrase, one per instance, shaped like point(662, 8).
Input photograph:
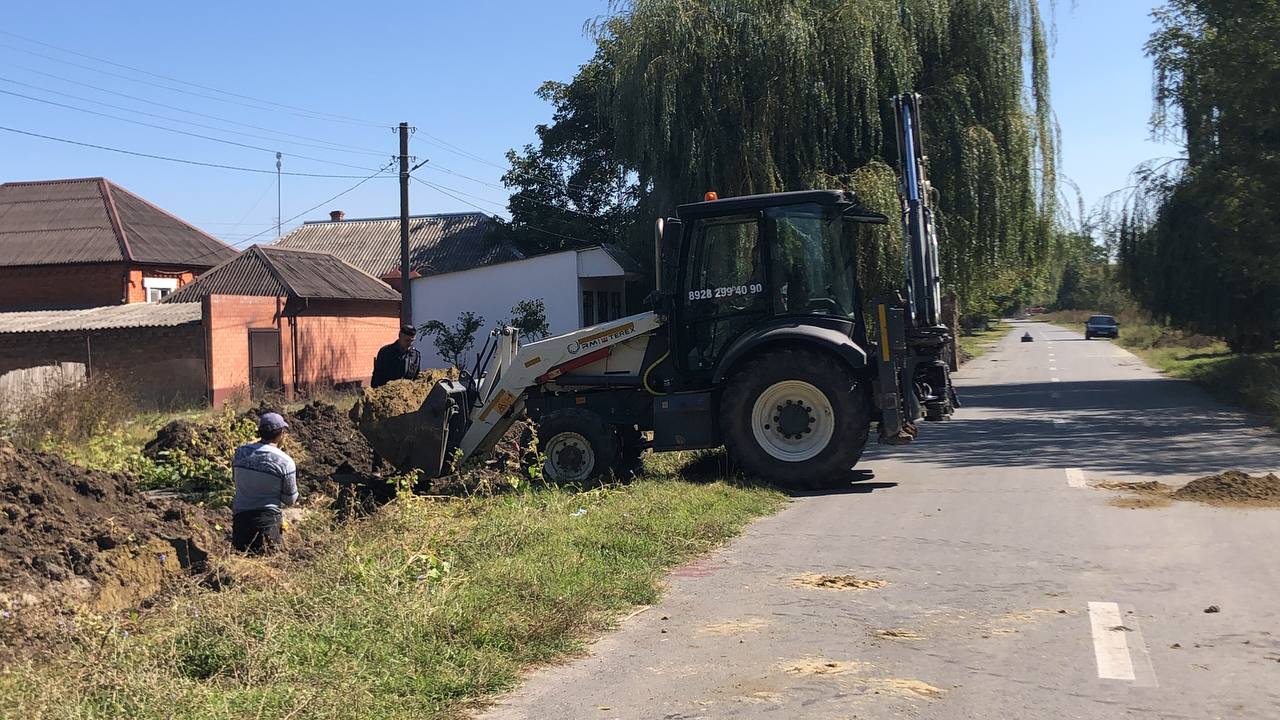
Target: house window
point(602, 306)
point(158, 289)
point(588, 309)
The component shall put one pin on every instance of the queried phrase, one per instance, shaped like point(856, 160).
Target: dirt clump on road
point(1232, 487)
point(822, 666)
point(839, 582)
point(899, 634)
point(906, 687)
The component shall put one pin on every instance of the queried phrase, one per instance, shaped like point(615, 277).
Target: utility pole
point(406, 288)
point(278, 213)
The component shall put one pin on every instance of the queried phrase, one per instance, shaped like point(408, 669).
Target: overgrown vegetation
point(747, 96)
point(418, 611)
point(1200, 235)
point(977, 341)
point(66, 412)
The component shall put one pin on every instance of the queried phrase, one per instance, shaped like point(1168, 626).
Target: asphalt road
point(1013, 589)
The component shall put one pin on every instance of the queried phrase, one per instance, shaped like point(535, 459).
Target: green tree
point(746, 96)
point(453, 342)
point(1200, 240)
point(529, 318)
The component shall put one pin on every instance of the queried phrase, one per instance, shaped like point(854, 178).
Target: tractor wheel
point(796, 418)
point(579, 446)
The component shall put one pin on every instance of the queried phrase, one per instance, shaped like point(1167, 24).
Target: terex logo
point(601, 339)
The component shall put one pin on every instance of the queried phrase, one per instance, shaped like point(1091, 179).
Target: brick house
point(288, 321)
point(89, 242)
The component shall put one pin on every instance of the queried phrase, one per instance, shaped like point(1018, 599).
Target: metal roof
point(438, 244)
point(89, 220)
point(100, 318)
point(284, 272)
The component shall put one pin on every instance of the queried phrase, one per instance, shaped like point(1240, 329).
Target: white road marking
point(1075, 478)
point(1053, 367)
point(1055, 395)
point(1059, 421)
point(1110, 642)
point(1054, 380)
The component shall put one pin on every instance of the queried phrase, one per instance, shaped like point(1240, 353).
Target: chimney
point(336, 215)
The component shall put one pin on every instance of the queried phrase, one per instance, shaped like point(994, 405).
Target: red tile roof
point(90, 220)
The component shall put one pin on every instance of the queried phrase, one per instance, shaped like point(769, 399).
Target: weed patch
point(419, 610)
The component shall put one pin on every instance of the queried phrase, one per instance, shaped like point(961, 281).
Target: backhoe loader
point(757, 340)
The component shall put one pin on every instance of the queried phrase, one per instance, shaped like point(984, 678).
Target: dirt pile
point(1232, 487)
point(87, 537)
point(388, 418)
point(215, 441)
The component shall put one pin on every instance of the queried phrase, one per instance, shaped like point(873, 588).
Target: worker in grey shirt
point(266, 480)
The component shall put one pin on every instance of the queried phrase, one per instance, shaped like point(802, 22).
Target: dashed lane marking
point(1075, 478)
point(1054, 380)
point(1110, 642)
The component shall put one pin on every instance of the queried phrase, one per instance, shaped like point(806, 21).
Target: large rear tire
point(579, 446)
point(796, 418)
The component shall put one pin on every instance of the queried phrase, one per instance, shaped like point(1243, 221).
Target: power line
point(317, 115)
point(171, 159)
point(450, 192)
point(171, 88)
point(175, 130)
point(332, 147)
point(327, 201)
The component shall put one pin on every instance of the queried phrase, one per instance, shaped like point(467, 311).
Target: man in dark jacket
point(397, 361)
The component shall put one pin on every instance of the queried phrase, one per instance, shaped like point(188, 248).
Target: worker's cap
point(408, 329)
point(270, 423)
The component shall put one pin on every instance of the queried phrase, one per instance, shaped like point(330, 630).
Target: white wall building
point(457, 267)
point(578, 287)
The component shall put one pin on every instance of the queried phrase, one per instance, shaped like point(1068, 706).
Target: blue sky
point(463, 73)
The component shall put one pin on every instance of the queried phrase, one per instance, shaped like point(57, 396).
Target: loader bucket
point(439, 430)
point(413, 425)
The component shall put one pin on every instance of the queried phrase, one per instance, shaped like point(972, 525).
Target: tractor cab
point(739, 271)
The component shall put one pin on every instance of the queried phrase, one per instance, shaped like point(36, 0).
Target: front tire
point(796, 418)
point(578, 446)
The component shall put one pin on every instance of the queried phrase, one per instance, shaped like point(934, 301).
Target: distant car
point(1101, 326)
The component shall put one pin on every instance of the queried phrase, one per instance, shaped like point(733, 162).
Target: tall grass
point(416, 612)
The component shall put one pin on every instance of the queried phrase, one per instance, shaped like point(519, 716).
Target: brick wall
point(62, 286)
point(337, 341)
point(78, 286)
point(322, 342)
point(137, 293)
point(227, 321)
point(160, 366)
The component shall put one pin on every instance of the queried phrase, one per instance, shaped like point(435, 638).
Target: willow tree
point(748, 96)
point(1200, 244)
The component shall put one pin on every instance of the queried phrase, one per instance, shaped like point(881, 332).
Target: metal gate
point(265, 374)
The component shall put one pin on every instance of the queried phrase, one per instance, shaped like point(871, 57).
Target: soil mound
point(330, 442)
point(213, 441)
point(388, 418)
point(1232, 488)
point(87, 536)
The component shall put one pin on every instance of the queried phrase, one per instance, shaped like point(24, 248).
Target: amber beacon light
point(711, 195)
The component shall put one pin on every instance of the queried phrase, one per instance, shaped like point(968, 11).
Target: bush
point(67, 412)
